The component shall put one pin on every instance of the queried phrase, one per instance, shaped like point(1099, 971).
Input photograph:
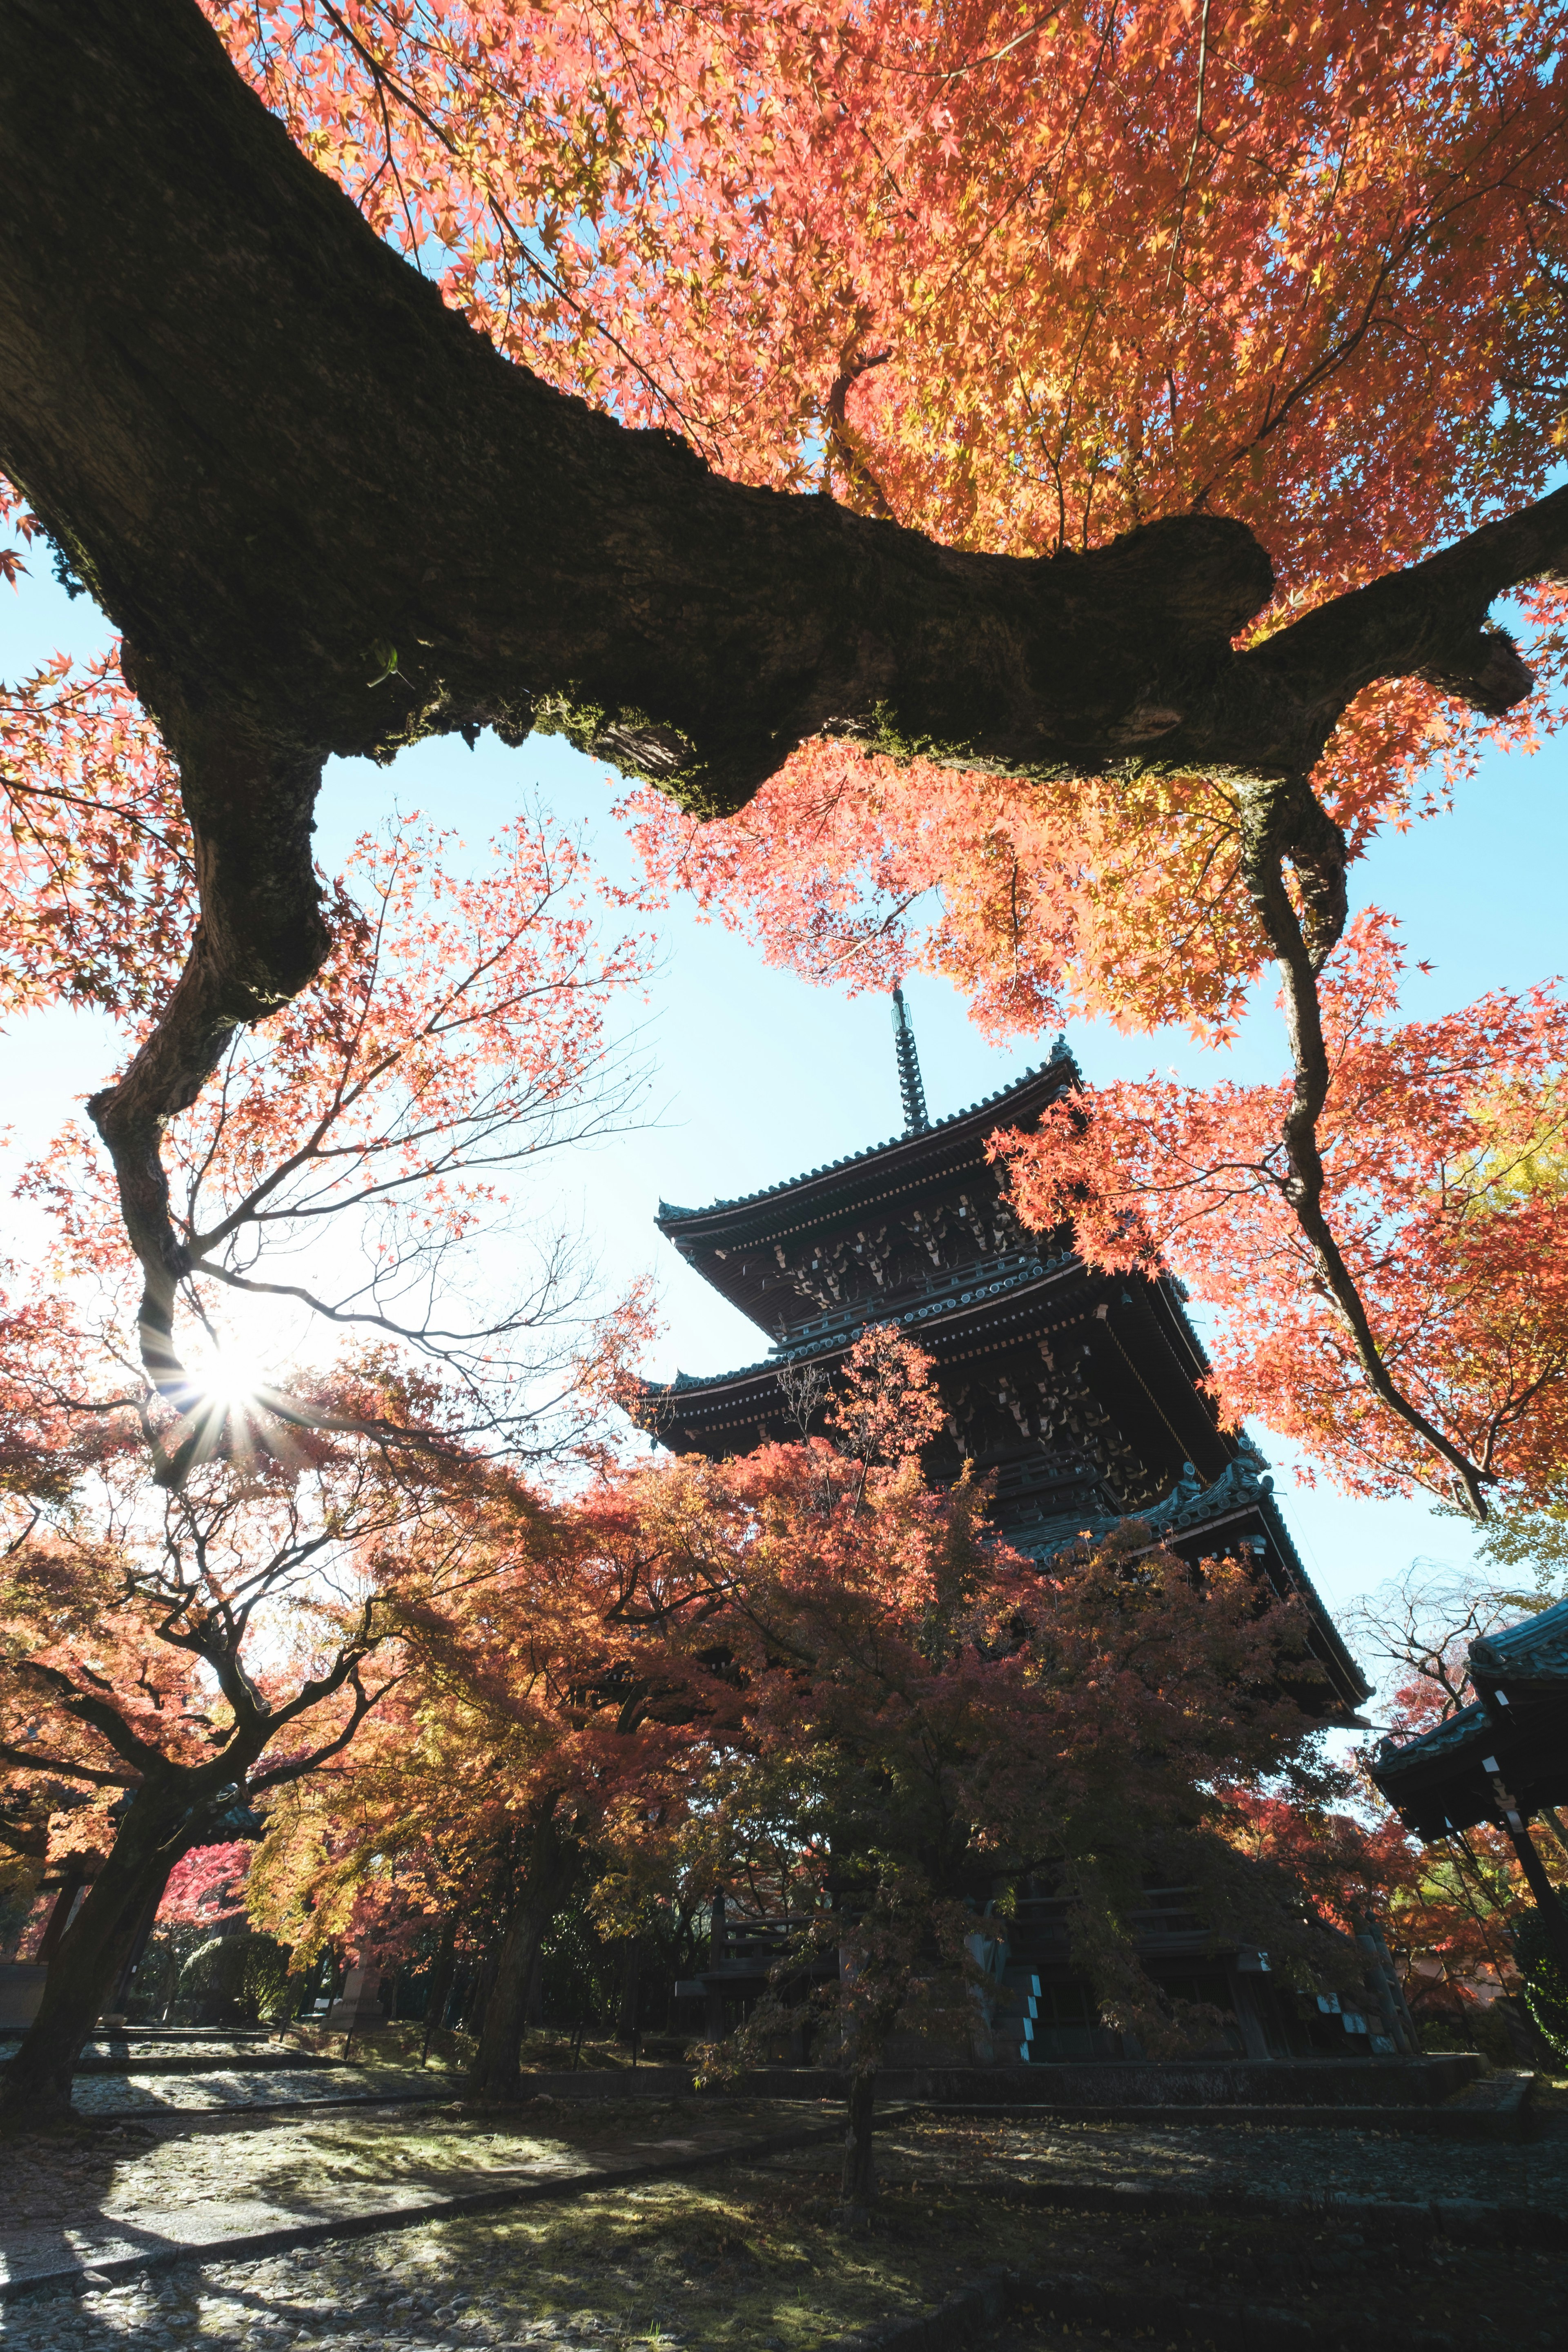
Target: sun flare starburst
point(231, 1378)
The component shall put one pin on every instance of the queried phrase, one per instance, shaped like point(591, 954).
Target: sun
point(231, 1377)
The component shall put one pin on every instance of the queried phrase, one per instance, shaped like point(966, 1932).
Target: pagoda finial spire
point(916, 1121)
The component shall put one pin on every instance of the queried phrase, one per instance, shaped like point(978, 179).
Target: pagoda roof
point(1234, 1510)
point(1129, 1336)
point(965, 1296)
point(1134, 1332)
point(861, 1177)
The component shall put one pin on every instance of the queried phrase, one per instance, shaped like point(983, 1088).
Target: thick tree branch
point(842, 445)
point(319, 504)
point(261, 939)
point(330, 518)
point(102, 1716)
point(296, 1768)
point(34, 1760)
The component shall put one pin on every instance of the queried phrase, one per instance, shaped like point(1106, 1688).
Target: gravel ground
point(139, 2189)
point(753, 2261)
point(237, 2086)
point(1266, 2161)
point(638, 2269)
point(748, 2257)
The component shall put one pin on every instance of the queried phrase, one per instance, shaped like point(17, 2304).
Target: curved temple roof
point(1505, 1753)
point(1023, 1097)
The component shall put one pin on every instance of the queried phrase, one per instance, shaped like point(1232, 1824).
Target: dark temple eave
point(713, 1239)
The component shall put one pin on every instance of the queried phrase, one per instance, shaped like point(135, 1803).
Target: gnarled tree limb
point(1285, 824)
point(329, 517)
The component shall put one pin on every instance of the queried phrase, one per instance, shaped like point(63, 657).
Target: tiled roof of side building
point(1465, 1728)
point(1060, 1064)
point(1535, 1649)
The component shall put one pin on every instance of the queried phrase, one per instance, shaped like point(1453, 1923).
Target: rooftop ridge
point(669, 1212)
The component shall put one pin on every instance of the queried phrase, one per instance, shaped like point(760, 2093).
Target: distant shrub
point(233, 1980)
point(1545, 1990)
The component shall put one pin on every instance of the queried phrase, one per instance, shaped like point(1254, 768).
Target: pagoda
point(1079, 1393)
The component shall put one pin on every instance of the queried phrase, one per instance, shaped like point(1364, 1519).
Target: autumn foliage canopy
point(1023, 281)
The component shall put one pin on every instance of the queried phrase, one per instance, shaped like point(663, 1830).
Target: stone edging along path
point(237, 2111)
point(1467, 2221)
point(253, 2244)
point(1508, 2115)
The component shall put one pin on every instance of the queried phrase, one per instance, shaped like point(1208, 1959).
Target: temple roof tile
point(1060, 1060)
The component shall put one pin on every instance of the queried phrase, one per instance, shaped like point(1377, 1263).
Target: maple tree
point(205, 1550)
point(919, 1719)
point(528, 1735)
point(96, 884)
point(1148, 355)
point(460, 1026)
point(166, 1671)
point(805, 1672)
point(1451, 1302)
point(207, 1884)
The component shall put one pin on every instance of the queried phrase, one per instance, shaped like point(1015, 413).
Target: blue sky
point(760, 1076)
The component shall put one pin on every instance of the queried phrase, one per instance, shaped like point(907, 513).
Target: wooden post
point(718, 1939)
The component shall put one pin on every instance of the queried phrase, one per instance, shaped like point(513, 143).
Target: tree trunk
point(35, 2088)
point(546, 1865)
point(440, 1983)
point(1548, 1902)
point(533, 2006)
point(496, 2065)
point(628, 2009)
point(136, 1949)
point(859, 2184)
point(287, 2010)
point(59, 1918)
point(476, 1994)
